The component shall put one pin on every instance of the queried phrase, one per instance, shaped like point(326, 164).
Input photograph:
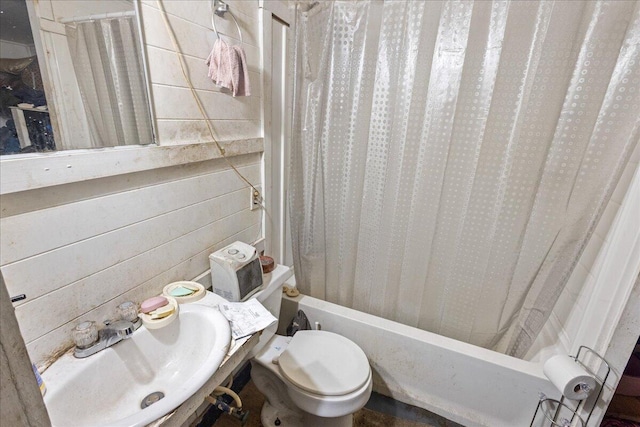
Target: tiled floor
point(252, 401)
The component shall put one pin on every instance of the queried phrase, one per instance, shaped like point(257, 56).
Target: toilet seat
point(323, 363)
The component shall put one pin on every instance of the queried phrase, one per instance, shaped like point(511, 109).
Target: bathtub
point(478, 387)
point(464, 383)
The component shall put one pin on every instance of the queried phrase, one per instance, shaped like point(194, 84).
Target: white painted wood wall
point(94, 244)
point(178, 120)
point(79, 249)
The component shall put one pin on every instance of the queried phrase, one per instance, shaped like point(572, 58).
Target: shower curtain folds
point(452, 158)
point(107, 62)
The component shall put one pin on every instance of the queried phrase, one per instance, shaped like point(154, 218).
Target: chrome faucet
point(111, 334)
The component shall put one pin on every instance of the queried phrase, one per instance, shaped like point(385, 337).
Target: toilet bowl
point(315, 378)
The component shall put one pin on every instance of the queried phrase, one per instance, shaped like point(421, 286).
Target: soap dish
point(197, 295)
point(150, 323)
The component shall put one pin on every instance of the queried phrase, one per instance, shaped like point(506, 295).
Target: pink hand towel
point(228, 68)
point(213, 61)
point(222, 61)
point(244, 86)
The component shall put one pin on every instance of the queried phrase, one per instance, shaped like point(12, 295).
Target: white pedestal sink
point(107, 388)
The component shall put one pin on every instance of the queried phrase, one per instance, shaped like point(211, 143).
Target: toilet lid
point(324, 363)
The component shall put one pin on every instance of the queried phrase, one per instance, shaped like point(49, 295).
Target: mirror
point(72, 76)
point(24, 118)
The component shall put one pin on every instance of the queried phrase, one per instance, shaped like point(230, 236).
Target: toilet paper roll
point(569, 377)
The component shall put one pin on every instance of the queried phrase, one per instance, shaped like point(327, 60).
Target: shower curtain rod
point(97, 17)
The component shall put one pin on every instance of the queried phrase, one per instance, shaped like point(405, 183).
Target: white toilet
point(313, 379)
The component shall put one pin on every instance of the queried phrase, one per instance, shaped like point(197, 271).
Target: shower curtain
point(106, 57)
point(451, 158)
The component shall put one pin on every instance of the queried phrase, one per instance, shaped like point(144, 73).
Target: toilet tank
point(271, 297)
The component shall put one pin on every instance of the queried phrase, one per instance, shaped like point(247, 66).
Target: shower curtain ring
point(218, 7)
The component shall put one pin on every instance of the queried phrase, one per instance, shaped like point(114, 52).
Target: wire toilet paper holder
point(562, 403)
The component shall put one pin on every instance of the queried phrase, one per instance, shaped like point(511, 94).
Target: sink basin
point(108, 388)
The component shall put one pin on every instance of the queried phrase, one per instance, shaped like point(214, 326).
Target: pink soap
point(153, 303)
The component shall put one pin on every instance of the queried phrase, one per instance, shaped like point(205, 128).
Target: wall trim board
point(276, 112)
point(22, 172)
point(279, 8)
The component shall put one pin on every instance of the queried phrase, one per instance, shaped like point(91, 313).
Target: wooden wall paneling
point(199, 13)
point(219, 105)
point(31, 234)
point(170, 73)
point(200, 39)
point(43, 273)
point(247, 7)
point(59, 339)
point(67, 302)
point(197, 131)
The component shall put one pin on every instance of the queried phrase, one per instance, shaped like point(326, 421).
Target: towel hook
point(218, 7)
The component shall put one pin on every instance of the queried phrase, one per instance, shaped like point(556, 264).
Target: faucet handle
point(85, 334)
point(128, 310)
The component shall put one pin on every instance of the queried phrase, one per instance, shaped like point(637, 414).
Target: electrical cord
point(220, 148)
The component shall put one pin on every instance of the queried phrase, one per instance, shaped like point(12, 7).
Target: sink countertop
point(184, 411)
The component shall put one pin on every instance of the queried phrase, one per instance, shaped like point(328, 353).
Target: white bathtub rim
point(490, 356)
point(456, 388)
